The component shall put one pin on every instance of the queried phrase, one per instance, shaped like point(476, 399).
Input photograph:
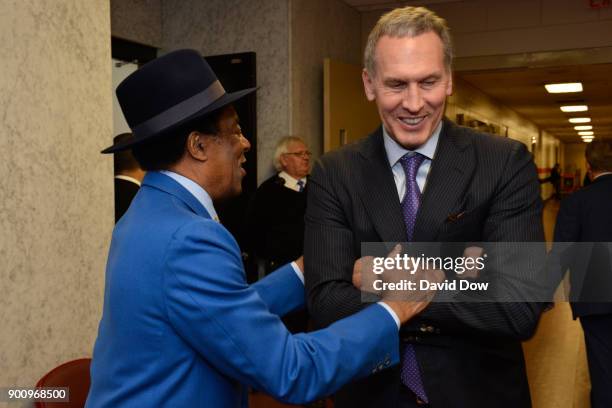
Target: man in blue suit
point(180, 325)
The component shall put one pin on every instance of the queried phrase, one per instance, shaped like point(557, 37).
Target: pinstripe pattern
point(474, 353)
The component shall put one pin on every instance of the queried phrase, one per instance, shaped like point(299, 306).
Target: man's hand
point(405, 303)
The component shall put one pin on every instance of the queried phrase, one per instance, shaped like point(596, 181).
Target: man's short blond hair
point(281, 148)
point(599, 155)
point(408, 22)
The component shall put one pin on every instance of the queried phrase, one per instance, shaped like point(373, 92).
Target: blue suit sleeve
point(227, 323)
point(282, 291)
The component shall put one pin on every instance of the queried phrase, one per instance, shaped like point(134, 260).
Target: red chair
point(74, 375)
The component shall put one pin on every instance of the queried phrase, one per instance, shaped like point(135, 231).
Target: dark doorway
point(236, 72)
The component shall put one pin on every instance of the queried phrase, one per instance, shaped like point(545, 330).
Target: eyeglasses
point(304, 155)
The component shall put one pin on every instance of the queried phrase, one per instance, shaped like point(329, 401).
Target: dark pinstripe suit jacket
point(585, 216)
point(469, 353)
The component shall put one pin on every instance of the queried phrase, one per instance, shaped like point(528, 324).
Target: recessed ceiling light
point(583, 127)
point(574, 108)
point(580, 120)
point(588, 133)
point(564, 88)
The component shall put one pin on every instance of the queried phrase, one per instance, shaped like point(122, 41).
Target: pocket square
point(455, 217)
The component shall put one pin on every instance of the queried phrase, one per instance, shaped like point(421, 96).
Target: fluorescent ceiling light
point(583, 127)
point(588, 137)
point(587, 140)
point(580, 120)
point(564, 88)
point(574, 108)
point(588, 133)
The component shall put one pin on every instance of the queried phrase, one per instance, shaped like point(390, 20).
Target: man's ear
point(197, 146)
point(368, 85)
point(449, 85)
point(283, 161)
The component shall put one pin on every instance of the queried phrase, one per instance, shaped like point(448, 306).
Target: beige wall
point(229, 26)
point(470, 101)
point(57, 190)
point(319, 29)
point(137, 20)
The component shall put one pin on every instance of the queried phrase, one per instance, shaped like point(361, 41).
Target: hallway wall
point(216, 27)
point(319, 29)
point(138, 21)
point(56, 212)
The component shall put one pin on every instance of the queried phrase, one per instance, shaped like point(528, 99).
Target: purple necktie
point(410, 374)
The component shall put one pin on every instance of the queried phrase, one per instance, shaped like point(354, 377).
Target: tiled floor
point(555, 356)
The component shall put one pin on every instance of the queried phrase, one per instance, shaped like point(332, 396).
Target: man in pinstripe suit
point(473, 187)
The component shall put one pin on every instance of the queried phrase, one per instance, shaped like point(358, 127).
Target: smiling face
point(225, 151)
point(296, 161)
point(410, 86)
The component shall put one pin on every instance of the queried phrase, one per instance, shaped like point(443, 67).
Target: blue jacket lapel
point(167, 184)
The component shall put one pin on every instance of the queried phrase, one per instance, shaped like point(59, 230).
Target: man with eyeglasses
point(276, 214)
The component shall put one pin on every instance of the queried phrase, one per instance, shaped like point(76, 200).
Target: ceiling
point(366, 5)
point(522, 90)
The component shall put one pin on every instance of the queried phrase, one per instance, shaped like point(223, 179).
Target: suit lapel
point(450, 173)
point(378, 192)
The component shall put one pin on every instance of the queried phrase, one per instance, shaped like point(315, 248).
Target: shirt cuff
point(391, 312)
point(298, 272)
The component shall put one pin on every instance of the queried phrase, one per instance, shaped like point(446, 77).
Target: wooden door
point(348, 116)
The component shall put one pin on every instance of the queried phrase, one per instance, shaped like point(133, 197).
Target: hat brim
point(137, 139)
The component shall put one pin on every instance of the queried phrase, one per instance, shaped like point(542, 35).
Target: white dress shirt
point(127, 178)
point(291, 182)
point(395, 152)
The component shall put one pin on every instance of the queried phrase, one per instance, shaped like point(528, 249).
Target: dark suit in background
point(586, 216)
point(276, 223)
point(125, 190)
point(469, 354)
point(128, 176)
point(276, 233)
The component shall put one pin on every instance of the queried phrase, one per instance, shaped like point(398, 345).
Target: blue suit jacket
point(181, 327)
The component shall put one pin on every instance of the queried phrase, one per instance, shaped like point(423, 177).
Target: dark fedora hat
point(168, 92)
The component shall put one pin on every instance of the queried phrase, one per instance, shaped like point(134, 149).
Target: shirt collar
point(291, 181)
point(395, 151)
point(127, 178)
point(606, 173)
point(196, 190)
